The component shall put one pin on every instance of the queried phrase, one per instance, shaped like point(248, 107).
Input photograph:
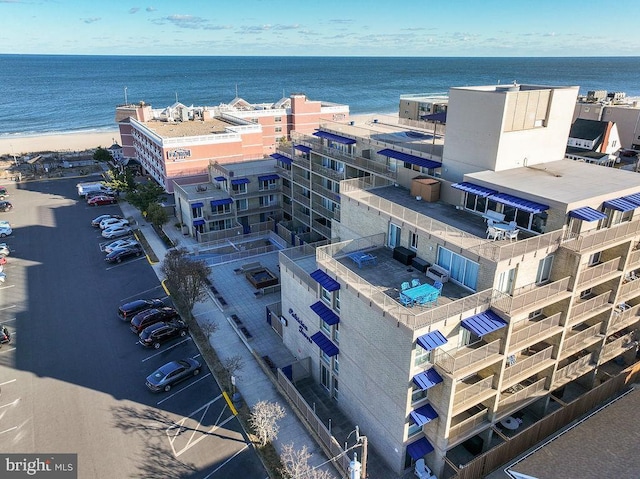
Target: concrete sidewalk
point(251, 382)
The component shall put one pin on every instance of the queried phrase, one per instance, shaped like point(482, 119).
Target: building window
point(278, 129)
point(535, 314)
point(461, 269)
point(413, 240)
point(268, 200)
point(325, 327)
point(544, 270)
point(336, 364)
point(506, 281)
point(277, 119)
point(417, 394)
point(325, 357)
point(325, 295)
point(196, 212)
point(268, 184)
point(336, 333)
point(242, 205)
point(239, 189)
point(594, 259)
point(221, 209)
point(422, 356)
point(335, 388)
point(336, 298)
point(413, 429)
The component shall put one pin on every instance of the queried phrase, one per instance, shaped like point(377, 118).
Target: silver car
point(121, 243)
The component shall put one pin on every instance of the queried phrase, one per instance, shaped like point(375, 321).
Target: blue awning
point(475, 189)
point(325, 344)
point(441, 117)
point(423, 415)
point(197, 205)
point(282, 158)
point(419, 448)
point(407, 158)
point(427, 379)
point(240, 181)
point(268, 177)
point(326, 281)
point(220, 178)
point(325, 313)
point(484, 323)
point(520, 203)
point(333, 137)
point(620, 204)
point(432, 340)
point(634, 198)
point(198, 222)
point(587, 214)
point(302, 148)
point(223, 201)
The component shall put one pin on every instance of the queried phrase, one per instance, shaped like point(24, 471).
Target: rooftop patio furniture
point(405, 285)
point(438, 273)
point(415, 282)
point(362, 259)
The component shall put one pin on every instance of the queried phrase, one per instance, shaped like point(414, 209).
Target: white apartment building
point(519, 317)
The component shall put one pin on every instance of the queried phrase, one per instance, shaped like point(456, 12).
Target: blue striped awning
point(620, 204)
point(427, 379)
point(223, 201)
point(431, 340)
point(302, 148)
point(198, 222)
point(325, 344)
point(268, 177)
point(484, 323)
point(240, 181)
point(587, 214)
point(197, 204)
point(333, 137)
point(423, 415)
point(475, 189)
point(407, 158)
point(325, 313)
point(419, 448)
point(282, 158)
point(220, 178)
point(520, 203)
point(326, 281)
point(634, 198)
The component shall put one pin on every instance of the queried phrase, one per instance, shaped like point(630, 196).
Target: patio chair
point(405, 285)
point(415, 282)
point(438, 285)
point(494, 234)
point(512, 235)
point(405, 301)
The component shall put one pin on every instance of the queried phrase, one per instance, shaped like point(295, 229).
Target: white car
point(110, 222)
point(5, 231)
point(3, 277)
point(116, 232)
point(4, 249)
point(121, 243)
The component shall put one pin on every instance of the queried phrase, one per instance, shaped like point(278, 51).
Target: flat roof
point(175, 129)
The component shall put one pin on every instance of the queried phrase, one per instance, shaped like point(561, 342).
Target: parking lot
point(73, 377)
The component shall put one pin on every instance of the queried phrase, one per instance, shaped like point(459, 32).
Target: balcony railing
point(327, 172)
point(620, 318)
point(469, 425)
point(524, 394)
point(573, 370)
point(598, 271)
point(466, 358)
point(533, 295)
point(322, 229)
point(616, 347)
point(580, 340)
point(302, 199)
point(301, 180)
point(527, 366)
point(629, 289)
point(601, 238)
point(327, 193)
point(587, 308)
point(534, 332)
point(634, 259)
point(472, 394)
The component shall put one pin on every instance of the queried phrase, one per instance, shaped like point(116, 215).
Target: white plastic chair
point(512, 235)
point(422, 471)
point(494, 234)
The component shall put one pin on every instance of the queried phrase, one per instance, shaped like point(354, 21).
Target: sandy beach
point(69, 142)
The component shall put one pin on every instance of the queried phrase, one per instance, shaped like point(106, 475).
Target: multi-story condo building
point(422, 106)
point(177, 144)
point(432, 324)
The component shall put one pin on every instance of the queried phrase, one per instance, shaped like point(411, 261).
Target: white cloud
point(91, 20)
point(134, 10)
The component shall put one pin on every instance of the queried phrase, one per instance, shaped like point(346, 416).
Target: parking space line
point(8, 307)
point(183, 389)
point(142, 293)
point(124, 264)
point(10, 319)
point(12, 403)
point(8, 382)
point(166, 349)
point(9, 430)
point(7, 287)
point(225, 462)
point(2, 351)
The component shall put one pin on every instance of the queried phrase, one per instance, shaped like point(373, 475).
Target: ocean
point(51, 94)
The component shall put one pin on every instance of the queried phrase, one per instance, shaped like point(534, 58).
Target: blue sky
point(326, 28)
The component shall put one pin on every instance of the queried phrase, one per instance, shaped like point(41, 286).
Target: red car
point(101, 200)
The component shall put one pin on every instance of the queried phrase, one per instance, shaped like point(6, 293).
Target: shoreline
point(61, 142)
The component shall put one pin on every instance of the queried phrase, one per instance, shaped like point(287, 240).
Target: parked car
point(130, 309)
point(5, 206)
point(116, 232)
point(4, 249)
point(117, 255)
point(5, 231)
point(95, 222)
point(163, 378)
point(121, 243)
point(3, 277)
point(108, 222)
point(101, 200)
point(3, 193)
point(158, 333)
point(152, 316)
point(3, 260)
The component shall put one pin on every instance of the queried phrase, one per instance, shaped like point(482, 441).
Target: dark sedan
point(5, 206)
point(158, 333)
point(130, 309)
point(117, 255)
point(152, 316)
point(163, 378)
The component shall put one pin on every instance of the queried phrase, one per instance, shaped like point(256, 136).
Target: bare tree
point(264, 420)
point(187, 277)
point(208, 327)
point(232, 365)
point(295, 464)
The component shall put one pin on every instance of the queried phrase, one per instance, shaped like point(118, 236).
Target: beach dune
point(64, 143)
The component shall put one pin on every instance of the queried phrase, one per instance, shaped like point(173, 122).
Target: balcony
point(573, 370)
point(286, 190)
point(327, 193)
point(576, 341)
point(321, 210)
point(634, 259)
point(324, 230)
point(616, 345)
point(469, 426)
point(527, 366)
point(518, 396)
point(602, 238)
point(630, 289)
point(301, 180)
point(587, 308)
point(533, 296)
point(327, 172)
point(598, 273)
point(467, 359)
point(302, 199)
point(534, 332)
point(469, 393)
point(622, 318)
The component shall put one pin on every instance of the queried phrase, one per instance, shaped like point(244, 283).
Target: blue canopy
point(333, 137)
point(587, 214)
point(419, 448)
point(302, 148)
point(475, 189)
point(326, 281)
point(282, 158)
point(520, 203)
point(268, 177)
point(423, 415)
point(620, 204)
point(431, 340)
point(407, 158)
point(325, 313)
point(427, 379)
point(198, 222)
point(240, 181)
point(634, 198)
point(325, 344)
point(197, 204)
point(220, 178)
point(220, 202)
point(484, 323)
